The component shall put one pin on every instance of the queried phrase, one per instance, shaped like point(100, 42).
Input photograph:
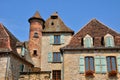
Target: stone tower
point(35, 36)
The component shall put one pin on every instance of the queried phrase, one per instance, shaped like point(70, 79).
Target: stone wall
point(3, 62)
point(71, 64)
point(13, 67)
point(47, 47)
point(35, 76)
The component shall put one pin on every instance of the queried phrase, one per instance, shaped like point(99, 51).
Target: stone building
point(45, 40)
point(92, 54)
point(53, 52)
point(11, 63)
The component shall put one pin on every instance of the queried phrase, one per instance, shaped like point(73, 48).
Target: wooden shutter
point(51, 39)
point(21, 67)
point(88, 42)
point(118, 63)
point(107, 41)
point(61, 57)
point(97, 64)
point(23, 51)
point(62, 41)
point(50, 57)
point(111, 41)
point(82, 64)
point(103, 64)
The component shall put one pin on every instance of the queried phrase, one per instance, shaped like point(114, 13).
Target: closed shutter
point(51, 39)
point(107, 42)
point(23, 51)
point(111, 42)
point(50, 57)
point(97, 64)
point(88, 42)
point(21, 67)
point(118, 63)
point(103, 64)
point(82, 64)
point(61, 58)
point(62, 39)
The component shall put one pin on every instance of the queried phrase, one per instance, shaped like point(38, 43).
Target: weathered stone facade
point(91, 55)
point(47, 47)
point(53, 53)
point(35, 76)
point(71, 64)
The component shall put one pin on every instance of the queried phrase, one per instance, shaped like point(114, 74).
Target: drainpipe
point(7, 67)
point(63, 66)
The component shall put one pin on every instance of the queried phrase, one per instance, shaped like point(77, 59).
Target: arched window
point(109, 41)
point(88, 41)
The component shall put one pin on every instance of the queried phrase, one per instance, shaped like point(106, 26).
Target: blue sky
point(14, 14)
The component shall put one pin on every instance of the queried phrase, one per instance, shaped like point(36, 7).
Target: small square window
point(34, 53)
point(56, 74)
point(35, 35)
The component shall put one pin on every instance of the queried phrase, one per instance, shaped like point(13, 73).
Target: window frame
point(89, 64)
point(56, 75)
point(111, 65)
point(88, 41)
point(109, 41)
point(57, 57)
point(57, 39)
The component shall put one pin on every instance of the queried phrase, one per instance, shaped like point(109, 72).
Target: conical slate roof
point(36, 16)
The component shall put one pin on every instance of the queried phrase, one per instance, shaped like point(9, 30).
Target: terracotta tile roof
point(55, 24)
point(95, 29)
point(7, 39)
point(8, 43)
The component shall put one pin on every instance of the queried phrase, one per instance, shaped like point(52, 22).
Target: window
point(34, 53)
point(56, 39)
point(88, 41)
point(102, 41)
point(111, 63)
point(56, 57)
point(89, 64)
point(52, 23)
point(109, 40)
point(56, 75)
point(35, 35)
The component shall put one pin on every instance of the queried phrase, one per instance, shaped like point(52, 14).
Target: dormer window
point(35, 35)
point(54, 17)
point(109, 41)
point(88, 41)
